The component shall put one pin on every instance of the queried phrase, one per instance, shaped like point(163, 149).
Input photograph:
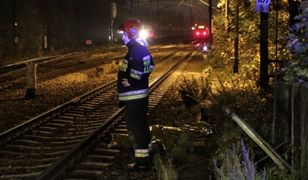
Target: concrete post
point(31, 80)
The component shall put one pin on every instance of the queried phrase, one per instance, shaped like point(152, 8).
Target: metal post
point(264, 50)
point(157, 7)
point(210, 20)
point(235, 64)
point(113, 14)
point(132, 6)
point(276, 32)
point(191, 16)
point(226, 15)
point(111, 30)
point(15, 24)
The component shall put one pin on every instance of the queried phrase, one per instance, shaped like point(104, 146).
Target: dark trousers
point(137, 125)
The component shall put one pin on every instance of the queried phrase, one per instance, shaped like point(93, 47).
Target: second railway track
point(30, 149)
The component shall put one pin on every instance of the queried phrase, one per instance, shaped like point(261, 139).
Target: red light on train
point(200, 32)
point(204, 33)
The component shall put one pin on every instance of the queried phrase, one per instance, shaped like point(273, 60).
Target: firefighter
point(133, 77)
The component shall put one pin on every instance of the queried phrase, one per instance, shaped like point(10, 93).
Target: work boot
point(138, 167)
point(158, 149)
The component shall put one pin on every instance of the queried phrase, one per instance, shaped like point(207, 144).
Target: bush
point(297, 69)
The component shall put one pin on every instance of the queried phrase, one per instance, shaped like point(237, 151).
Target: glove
point(125, 82)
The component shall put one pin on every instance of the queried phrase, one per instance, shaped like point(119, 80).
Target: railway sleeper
point(122, 125)
point(22, 153)
point(55, 124)
point(38, 138)
point(41, 132)
point(120, 130)
point(119, 134)
point(74, 114)
point(75, 137)
point(28, 168)
point(44, 146)
point(100, 158)
point(20, 161)
point(107, 151)
point(85, 174)
point(93, 165)
point(48, 128)
point(64, 121)
point(21, 176)
point(78, 131)
point(84, 107)
point(27, 141)
point(93, 103)
point(66, 142)
point(66, 117)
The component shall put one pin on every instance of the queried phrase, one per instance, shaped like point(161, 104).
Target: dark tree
point(293, 11)
point(6, 28)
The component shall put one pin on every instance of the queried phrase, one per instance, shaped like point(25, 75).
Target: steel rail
point(22, 64)
point(266, 147)
point(22, 128)
point(58, 168)
point(37, 140)
point(40, 60)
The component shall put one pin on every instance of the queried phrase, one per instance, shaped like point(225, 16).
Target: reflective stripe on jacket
point(130, 95)
point(142, 153)
point(136, 68)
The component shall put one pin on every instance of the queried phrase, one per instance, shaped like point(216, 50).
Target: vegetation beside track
point(227, 151)
point(214, 142)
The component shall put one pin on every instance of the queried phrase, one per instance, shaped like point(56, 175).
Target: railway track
point(36, 147)
point(13, 75)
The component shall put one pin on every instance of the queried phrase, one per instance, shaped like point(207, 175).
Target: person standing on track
point(133, 80)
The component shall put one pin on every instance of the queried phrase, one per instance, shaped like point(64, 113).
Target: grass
point(233, 158)
point(165, 170)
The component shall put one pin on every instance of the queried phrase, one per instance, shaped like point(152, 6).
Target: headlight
point(144, 34)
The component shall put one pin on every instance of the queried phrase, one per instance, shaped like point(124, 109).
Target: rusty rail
point(266, 147)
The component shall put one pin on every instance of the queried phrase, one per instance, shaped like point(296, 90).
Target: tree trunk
point(293, 11)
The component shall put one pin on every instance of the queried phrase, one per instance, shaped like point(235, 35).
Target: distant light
point(120, 31)
point(144, 34)
point(15, 23)
point(197, 33)
point(201, 27)
point(205, 48)
point(204, 33)
point(192, 28)
point(88, 42)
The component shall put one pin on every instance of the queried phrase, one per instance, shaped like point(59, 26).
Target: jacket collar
point(136, 40)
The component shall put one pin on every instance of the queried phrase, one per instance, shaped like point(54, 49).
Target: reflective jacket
point(136, 68)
